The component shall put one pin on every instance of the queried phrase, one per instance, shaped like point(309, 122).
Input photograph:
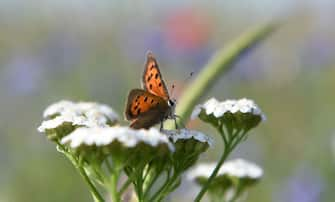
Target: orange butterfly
point(152, 104)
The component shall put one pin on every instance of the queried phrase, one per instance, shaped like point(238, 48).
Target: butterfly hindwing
point(152, 79)
point(140, 103)
point(146, 120)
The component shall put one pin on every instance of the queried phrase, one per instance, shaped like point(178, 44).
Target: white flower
point(189, 145)
point(184, 134)
point(238, 168)
point(58, 108)
point(54, 123)
point(218, 109)
point(126, 136)
point(88, 114)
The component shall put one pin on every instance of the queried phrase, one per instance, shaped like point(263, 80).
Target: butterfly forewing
point(152, 78)
point(141, 102)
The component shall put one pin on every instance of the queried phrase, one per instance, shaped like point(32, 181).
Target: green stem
point(203, 190)
point(219, 64)
point(139, 188)
point(159, 192)
point(228, 148)
point(238, 140)
point(125, 186)
point(237, 193)
point(109, 167)
point(113, 185)
point(168, 186)
point(221, 130)
point(94, 191)
point(97, 197)
point(148, 184)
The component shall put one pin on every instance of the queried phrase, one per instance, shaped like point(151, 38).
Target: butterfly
point(151, 105)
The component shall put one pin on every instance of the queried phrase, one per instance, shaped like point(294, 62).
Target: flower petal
point(184, 134)
point(107, 135)
point(235, 168)
point(88, 114)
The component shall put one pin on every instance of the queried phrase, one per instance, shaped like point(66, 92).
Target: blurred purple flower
point(304, 186)
point(317, 52)
point(61, 51)
point(22, 75)
point(136, 40)
point(249, 66)
point(25, 72)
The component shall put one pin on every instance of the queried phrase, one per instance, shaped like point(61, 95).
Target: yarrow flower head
point(63, 117)
point(241, 114)
point(122, 143)
point(232, 179)
point(189, 145)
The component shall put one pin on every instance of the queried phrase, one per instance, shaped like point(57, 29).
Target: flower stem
point(125, 186)
point(224, 156)
point(97, 197)
point(162, 188)
point(167, 188)
point(114, 193)
point(219, 64)
point(94, 191)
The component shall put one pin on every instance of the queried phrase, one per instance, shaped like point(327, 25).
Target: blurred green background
point(95, 50)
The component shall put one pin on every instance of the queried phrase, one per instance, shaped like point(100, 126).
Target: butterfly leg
point(161, 127)
point(181, 122)
point(175, 122)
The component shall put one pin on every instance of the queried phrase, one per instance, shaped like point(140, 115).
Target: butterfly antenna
point(189, 76)
point(172, 90)
point(185, 80)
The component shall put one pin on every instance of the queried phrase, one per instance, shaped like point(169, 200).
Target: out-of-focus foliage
point(94, 51)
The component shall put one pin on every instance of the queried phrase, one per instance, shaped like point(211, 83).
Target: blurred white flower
point(184, 134)
point(238, 168)
point(218, 109)
point(106, 136)
point(55, 123)
point(231, 180)
point(58, 108)
point(88, 114)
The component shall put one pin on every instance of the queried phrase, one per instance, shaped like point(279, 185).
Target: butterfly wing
point(145, 109)
point(146, 121)
point(152, 79)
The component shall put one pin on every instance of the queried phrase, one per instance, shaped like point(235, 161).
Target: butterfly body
point(151, 105)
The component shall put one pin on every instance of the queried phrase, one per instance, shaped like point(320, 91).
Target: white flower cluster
point(238, 168)
point(184, 134)
point(218, 109)
point(88, 114)
point(124, 135)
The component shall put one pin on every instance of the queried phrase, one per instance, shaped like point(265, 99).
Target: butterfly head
point(172, 106)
